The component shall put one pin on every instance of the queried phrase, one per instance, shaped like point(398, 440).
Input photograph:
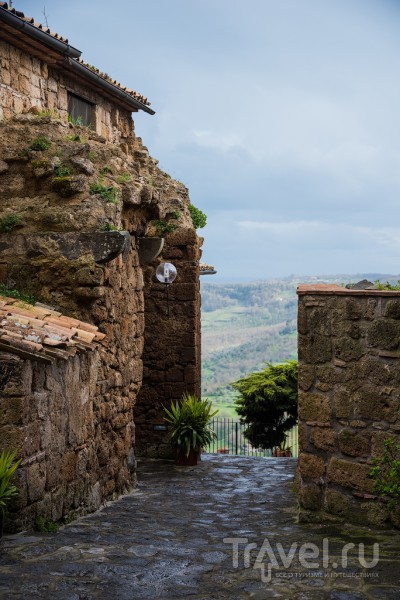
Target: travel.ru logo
point(310, 556)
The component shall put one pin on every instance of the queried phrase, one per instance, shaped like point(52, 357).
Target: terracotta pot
point(281, 453)
point(187, 461)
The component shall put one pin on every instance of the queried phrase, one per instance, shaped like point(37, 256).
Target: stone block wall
point(27, 82)
point(57, 418)
point(171, 356)
point(349, 399)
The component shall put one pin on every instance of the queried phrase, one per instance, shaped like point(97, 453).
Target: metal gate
point(230, 439)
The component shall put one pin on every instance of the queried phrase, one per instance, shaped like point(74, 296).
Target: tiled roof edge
point(18, 15)
point(114, 82)
point(73, 53)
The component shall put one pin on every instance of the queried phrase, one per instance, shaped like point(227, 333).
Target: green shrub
point(386, 473)
point(78, 121)
point(46, 525)
point(107, 226)
point(74, 137)
point(105, 170)
point(46, 113)
point(9, 222)
point(199, 219)
point(163, 227)
point(40, 143)
point(267, 404)
point(13, 293)
point(107, 192)
point(61, 171)
point(123, 178)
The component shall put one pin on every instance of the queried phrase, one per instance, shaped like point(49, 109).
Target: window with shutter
point(80, 111)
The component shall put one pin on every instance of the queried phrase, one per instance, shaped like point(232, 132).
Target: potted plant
point(190, 431)
point(8, 466)
point(282, 450)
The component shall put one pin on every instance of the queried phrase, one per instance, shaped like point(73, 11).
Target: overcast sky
point(281, 117)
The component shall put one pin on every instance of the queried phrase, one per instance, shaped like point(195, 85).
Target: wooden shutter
point(80, 110)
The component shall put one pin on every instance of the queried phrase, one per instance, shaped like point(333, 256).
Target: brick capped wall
point(171, 356)
point(349, 384)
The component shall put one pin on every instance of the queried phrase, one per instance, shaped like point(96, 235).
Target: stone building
point(86, 216)
point(40, 69)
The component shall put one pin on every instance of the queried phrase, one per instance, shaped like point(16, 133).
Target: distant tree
point(267, 404)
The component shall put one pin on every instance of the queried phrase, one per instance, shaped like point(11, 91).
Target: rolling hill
point(247, 324)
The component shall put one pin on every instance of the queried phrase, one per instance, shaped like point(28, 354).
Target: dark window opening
point(79, 111)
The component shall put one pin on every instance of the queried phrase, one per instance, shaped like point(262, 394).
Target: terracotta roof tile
point(114, 82)
point(88, 327)
point(85, 336)
point(47, 338)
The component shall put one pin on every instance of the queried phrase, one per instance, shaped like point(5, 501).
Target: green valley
point(245, 325)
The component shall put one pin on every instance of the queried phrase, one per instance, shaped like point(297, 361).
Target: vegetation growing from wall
point(199, 218)
point(39, 143)
point(107, 192)
point(9, 222)
point(46, 525)
point(17, 294)
point(386, 473)
point(164, 226)
point(62, 171)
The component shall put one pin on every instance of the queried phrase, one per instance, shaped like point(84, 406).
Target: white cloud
point(287, 109)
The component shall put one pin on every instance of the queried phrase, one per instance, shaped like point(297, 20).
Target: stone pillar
point(171, 357)
point(349, 379)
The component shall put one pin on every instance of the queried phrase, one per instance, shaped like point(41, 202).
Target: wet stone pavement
point(166, 540)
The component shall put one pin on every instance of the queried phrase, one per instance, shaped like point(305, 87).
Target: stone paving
point(166, 540)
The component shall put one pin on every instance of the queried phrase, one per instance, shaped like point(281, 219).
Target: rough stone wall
point(349, 382)
point(56, 417)
point(171, 355)
point(110, 296)
point(26, 83)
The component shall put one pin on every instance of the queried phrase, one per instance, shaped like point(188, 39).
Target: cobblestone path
point(166, 540)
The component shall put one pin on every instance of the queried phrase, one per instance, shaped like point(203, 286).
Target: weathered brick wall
point(58, 419)
point(27, 82)
point(349, 382)
point(171, 357)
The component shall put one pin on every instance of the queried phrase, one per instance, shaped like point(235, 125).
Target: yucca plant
point(8, 466)
point(190, 423)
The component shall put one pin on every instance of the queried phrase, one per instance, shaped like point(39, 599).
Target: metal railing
point(231, 440)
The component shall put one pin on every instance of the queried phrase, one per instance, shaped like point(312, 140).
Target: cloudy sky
point(281, 116)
